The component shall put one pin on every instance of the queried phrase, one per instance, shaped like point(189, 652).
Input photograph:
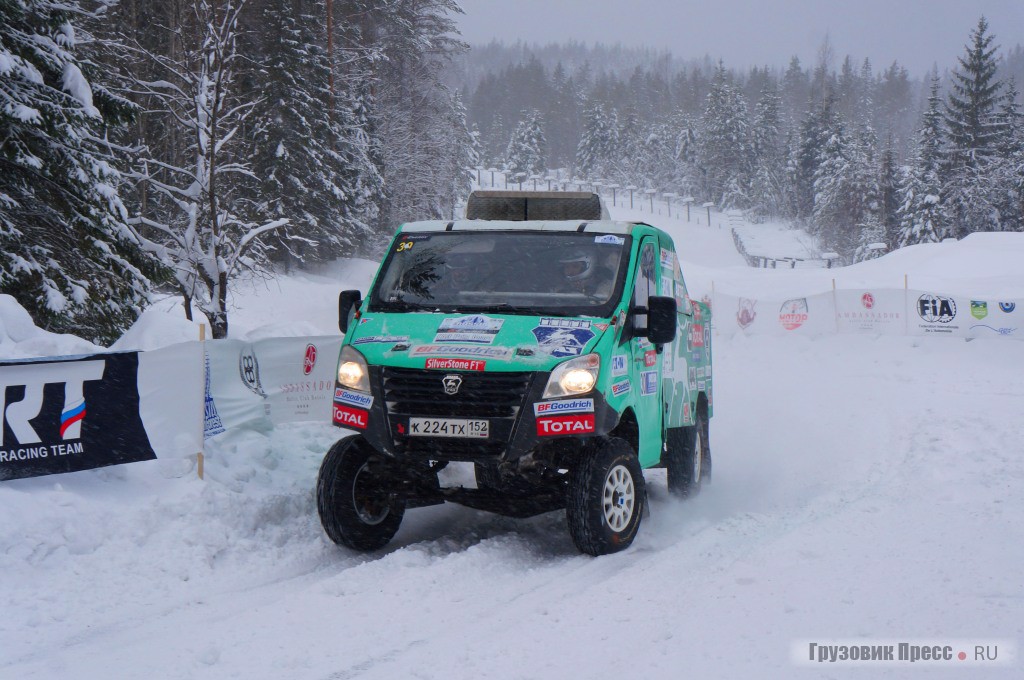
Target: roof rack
point(535, 205)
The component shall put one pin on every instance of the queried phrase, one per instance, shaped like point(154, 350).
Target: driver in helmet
point(584, 274)
point(458, 270)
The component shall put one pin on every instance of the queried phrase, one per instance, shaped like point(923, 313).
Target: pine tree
point(971, 117)
point(598, 143)
point(726, 151)
point(922, 218)
point(65, 252)
point(526, 154)
point(768, 191)
point(312, 155)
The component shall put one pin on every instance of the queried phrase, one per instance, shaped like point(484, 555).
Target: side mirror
point(661, 319)
point(348, 302)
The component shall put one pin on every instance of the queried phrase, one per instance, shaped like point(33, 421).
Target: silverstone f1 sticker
point(456, 364)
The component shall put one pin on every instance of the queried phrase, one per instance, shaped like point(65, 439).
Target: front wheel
point(353, 497)
point(606, 496)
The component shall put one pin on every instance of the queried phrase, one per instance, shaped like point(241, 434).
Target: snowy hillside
point(864, 488)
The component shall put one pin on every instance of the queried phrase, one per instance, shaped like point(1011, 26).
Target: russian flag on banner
point(72, 418)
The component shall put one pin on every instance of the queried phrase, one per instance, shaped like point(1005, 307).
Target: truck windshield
point(560, 273)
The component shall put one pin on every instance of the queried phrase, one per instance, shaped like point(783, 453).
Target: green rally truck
point(561, 358)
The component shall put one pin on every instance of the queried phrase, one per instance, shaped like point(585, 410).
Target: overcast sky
point(917, 33)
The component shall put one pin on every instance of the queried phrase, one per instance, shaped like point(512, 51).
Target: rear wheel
point(605, 497)
point(353, 496)
point(688, 459)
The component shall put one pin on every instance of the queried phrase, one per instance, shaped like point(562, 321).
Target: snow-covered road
point(863, 488)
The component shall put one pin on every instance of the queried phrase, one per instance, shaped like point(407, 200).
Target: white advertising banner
point(880, 312)
point(996, 318)
point(170, 399)
point(935, 313)
point(298, 376)
point(281, 380)
point(810, 315)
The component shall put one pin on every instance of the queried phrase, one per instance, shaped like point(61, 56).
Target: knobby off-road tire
point(356, 509)
point(688, 460)
point(606, 497)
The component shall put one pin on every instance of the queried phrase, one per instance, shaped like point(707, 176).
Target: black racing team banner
point(70, 415)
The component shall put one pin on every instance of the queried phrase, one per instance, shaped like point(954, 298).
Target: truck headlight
point(352, 370)
point(575, 376)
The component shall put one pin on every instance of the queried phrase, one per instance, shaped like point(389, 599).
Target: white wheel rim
point(366, 515)
point(619, 498)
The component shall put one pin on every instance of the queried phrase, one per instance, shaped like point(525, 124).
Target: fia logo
point(934, 308)
point(451, 384)
point(34, 377)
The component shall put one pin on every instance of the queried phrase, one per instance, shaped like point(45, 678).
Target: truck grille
point(498, 397)
point(411, 392)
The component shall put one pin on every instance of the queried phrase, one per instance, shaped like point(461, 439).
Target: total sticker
point(351, 417)
point(548, 427)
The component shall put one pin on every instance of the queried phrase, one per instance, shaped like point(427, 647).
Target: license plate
point(449, 427)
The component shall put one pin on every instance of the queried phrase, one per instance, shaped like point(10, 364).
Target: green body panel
point(660, 388)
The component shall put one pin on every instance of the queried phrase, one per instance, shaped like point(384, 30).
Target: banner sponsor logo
point(868, 300)
point(563, 337)
point(475, 328)
point(979, 309)
point(997, 331)
point(64, 416)
point(745, 315)
point(456, 364)
point(1007, 307)
point(463, 351)
point(936, 308)
point(549, 427)
point(309, 361)
point(622, 387)
point(249, 370)
point(793, 313)
point(212, 424)
point(351, 417)
point(343, 396)
point(563, 406)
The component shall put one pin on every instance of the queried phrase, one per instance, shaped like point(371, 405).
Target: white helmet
point(577, 265)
